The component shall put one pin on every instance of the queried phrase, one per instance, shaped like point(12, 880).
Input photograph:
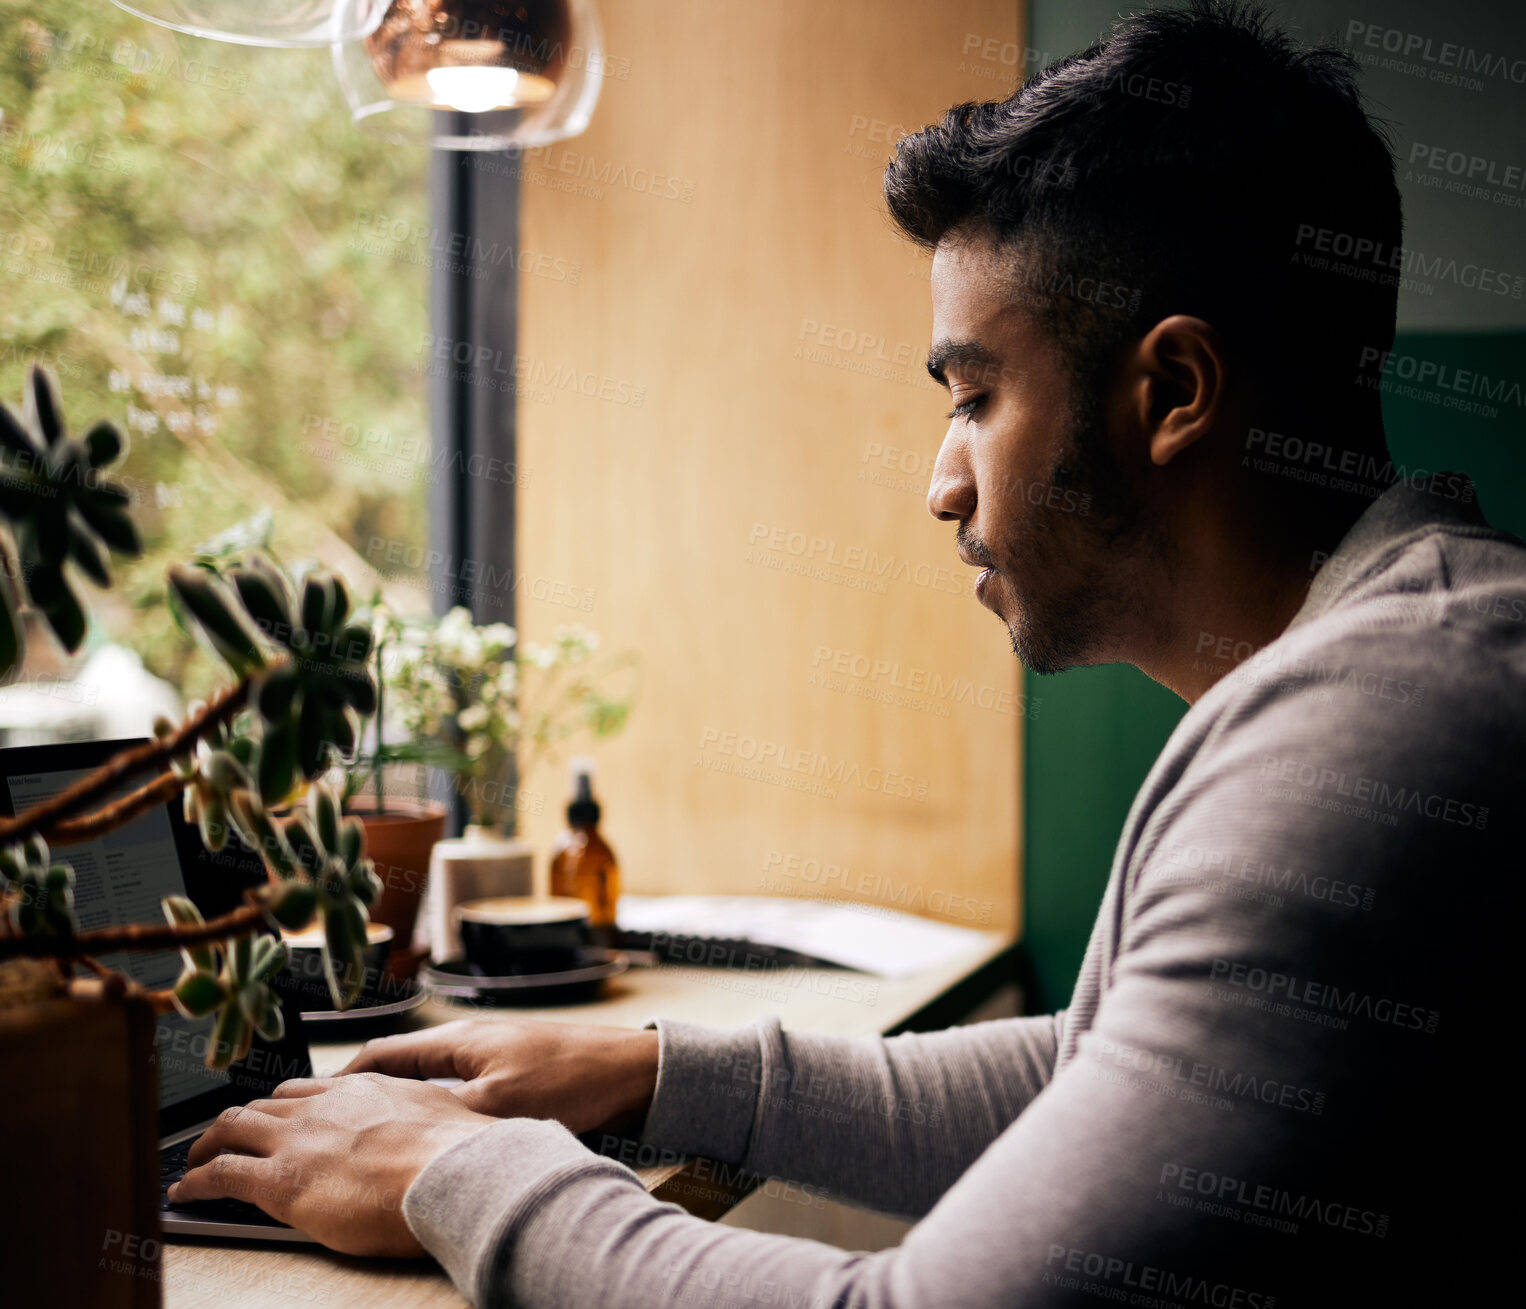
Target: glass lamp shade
point(475, 74)
point(264, 22)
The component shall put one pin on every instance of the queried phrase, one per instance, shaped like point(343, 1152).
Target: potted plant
point(491, 709)
point(76, 1038)
point(401, 830)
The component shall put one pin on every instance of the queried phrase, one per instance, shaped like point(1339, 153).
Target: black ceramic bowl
point(516, 935)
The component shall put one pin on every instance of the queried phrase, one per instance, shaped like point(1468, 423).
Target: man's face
point(1040, 503)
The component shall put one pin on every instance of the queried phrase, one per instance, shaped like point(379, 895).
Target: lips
point(987, 571)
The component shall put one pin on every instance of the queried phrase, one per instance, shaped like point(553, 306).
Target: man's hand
point(583, 1077)
point(331, 1156)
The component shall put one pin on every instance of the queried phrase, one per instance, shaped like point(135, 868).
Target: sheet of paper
point(869, 938)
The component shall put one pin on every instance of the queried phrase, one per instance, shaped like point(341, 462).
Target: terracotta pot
point(79, 1158)
point(398, 841)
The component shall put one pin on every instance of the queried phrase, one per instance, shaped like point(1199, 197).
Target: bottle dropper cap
point(583, 811)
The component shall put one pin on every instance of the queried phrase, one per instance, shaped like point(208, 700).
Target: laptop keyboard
point(172, 1166)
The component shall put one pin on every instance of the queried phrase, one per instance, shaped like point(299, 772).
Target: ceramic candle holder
point(473, 866)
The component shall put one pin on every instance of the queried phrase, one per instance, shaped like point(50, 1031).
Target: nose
point(951, 493)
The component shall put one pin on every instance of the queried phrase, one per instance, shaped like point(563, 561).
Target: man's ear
point(1180, 384)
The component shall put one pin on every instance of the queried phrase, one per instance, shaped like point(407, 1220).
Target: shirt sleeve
point(887, 1123)
point(522, 1214)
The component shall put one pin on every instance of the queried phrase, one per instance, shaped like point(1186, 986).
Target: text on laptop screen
point(120, 879)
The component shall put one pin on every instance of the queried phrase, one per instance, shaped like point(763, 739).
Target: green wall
point(1098, 730)
point(1085, 752)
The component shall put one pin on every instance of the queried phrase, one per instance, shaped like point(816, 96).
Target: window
point(202, 248)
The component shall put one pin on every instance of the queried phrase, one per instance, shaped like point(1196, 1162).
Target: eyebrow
point(947, 352)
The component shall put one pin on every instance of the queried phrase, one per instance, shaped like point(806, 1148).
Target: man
point(1159, 270)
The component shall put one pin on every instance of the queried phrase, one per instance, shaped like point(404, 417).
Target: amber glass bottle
point(582, 865)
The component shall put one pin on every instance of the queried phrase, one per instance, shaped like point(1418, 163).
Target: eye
point(965, 410)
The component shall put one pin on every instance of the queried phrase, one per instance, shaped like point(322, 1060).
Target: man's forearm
point(887, 1123)
point(521, 1214)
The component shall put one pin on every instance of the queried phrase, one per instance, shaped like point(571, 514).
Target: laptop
point(119, 879)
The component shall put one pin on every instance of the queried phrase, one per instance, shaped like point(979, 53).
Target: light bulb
point(474, 90)
point(515, 73)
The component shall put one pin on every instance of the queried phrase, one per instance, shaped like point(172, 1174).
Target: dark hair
point(1193, 162)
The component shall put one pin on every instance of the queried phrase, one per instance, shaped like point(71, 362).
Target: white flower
point(457, 637)
point(540, 656)
point(452, 679)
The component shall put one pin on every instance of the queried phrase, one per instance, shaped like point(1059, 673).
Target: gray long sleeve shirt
point(1276, 1063)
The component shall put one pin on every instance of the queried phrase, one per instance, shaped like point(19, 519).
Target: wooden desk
point(200, 1273)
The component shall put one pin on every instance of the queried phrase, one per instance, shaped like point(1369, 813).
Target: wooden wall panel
point(738, 474)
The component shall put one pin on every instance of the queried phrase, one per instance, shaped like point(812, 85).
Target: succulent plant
point(311, 683)
point(213, 769)
point(205, 605)
point(61, 509)
point(313, 694)
point(44, 891)
point(321, 869)
point(331, 850)
point(305, 685)
point(232, 981)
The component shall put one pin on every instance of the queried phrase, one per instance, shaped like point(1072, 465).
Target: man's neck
point(1233, 591)
point(1219, 633)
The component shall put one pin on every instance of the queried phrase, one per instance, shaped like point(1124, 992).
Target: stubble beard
point(1081, 603)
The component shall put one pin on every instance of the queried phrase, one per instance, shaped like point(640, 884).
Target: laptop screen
point(120, 878)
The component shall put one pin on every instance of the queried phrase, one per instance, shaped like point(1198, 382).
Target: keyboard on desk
point(717, 951)
point(172, 1167)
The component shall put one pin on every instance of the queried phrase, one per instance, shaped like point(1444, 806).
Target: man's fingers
point(480, 1096)
point(240, 1176)
point(242, 1129)
point(408, 1054)
point(299, 1087)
